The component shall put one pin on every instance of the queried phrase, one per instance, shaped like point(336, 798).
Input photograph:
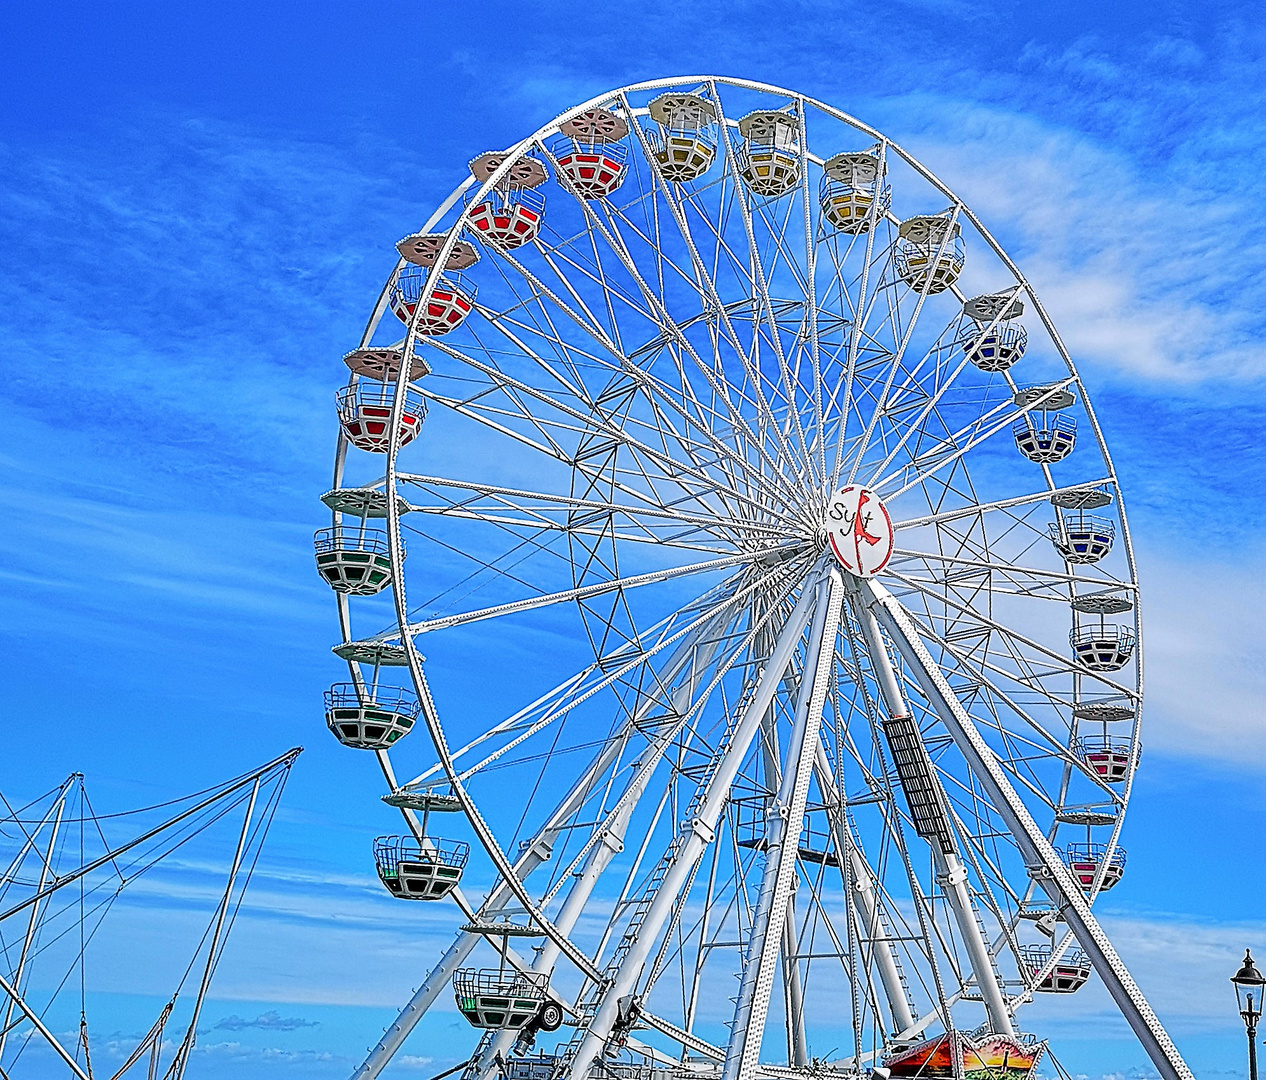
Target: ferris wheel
point(747, 484)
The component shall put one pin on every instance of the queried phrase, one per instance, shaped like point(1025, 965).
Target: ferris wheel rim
point(393, 473)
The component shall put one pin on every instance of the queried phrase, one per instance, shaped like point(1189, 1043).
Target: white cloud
point(1143, 268)
point(1205, 645)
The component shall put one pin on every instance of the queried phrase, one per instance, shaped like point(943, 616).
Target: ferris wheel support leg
point(782, 836)
point(864, 886)
point(950, 871)
point(797, 1042)
point(1044, 864)
point(793, 992)
point(699, 833)
point(440, 976)
point(612, 844)
point(688, 663)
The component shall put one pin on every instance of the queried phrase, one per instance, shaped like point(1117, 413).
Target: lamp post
point(1249, 981)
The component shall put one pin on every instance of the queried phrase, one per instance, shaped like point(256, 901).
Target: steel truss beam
point(1044, 864)
point(698, 833)
point(782, 836)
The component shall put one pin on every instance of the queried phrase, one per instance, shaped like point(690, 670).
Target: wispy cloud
point(1206, 661)
point(269, 1021)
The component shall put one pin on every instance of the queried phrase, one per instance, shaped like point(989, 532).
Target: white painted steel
point(695, 369)
point(950, 871)
point(1045, 865)
point(781, 836)
point(696, 835)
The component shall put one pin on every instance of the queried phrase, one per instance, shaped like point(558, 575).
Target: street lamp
point(1249, 981)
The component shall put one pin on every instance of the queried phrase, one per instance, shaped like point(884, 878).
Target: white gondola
point(684, 138)
point(1068, 975)
point(450, 301)
point(511, 213)
point(850, 184)
point(1084, 539)
point(1049, 439)
point(1084, 861)
point(1107, 757)
point(930, 252)
point(420, 871)
point(1044, 434)
point(1105, 647)
point(500, 997)
point(992, 341)
point(353, 559)
point(592, 160)
point(364, 412)
point(369, 718)
point(769, 157)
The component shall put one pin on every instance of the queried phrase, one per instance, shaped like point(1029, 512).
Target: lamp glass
point(1248, 980)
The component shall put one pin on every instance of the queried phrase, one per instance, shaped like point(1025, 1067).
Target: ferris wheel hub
point(859, 530)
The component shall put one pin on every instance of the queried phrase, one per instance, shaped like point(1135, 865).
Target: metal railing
point(350, 538)
point(392, 699)
point(391, 851)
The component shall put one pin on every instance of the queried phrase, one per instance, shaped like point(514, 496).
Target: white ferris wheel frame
point(879, 611)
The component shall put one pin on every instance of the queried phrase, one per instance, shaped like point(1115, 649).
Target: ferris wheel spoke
point(534, 603)
point(988, 874)
point(1028, 580)
point(597, 277)
point(863, 892)
point(709, 293)
point(894, 826)
point(626, 367)
point(974, 436)
point(727, 393)
point(860, 316)
point(896, 431)
point(1059, 662)
point(506, 325)
point(946, 516)
point(580, 314)
point(686, 539)
point(762, 287)
point(610, 669)
point(901, 349)
point(694, 708)
point(746, 270)
point(811, 293)
point(676, 339)
point(607, 834)
point(780, 491)
point(672, 469)
point(535, 505)
point(916, 425)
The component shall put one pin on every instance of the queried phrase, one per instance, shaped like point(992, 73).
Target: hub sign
point(860, 530)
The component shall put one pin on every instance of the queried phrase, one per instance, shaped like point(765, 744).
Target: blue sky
point(197, 207)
